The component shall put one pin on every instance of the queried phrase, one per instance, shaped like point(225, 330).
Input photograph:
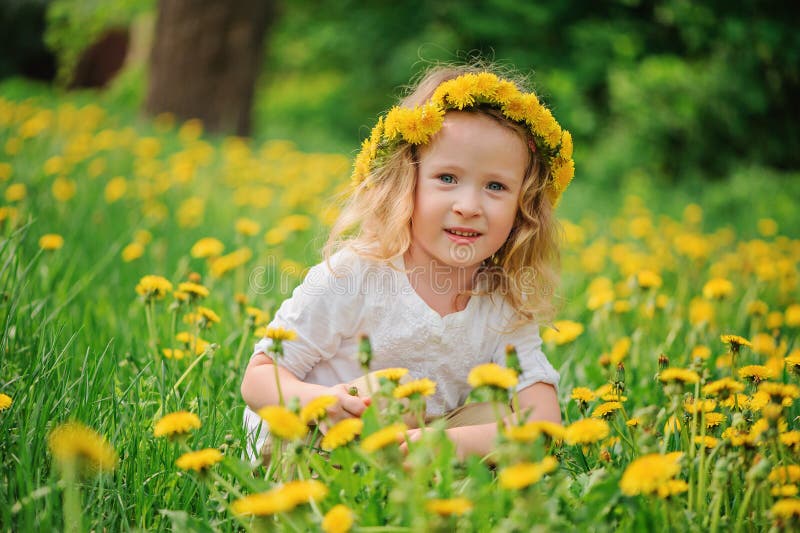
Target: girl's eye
point(447, 178)
point(496, 186)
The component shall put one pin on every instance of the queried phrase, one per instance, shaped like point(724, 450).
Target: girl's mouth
point(462, 237)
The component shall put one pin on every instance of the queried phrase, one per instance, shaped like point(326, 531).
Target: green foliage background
point(681, 91)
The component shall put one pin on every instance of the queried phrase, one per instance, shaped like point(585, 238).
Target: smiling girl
point(444, 254)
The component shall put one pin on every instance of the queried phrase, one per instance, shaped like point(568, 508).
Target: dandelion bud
point(604, 360)
point(352, 391)
point(194, 277)
point(663, 361)
point(512, 359)
point(605, 456)
point(619, 380)
point(364, 351)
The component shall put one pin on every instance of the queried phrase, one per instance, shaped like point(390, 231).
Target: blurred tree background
point(669, 90)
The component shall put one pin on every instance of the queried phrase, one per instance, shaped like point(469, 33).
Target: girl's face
point(468, 181)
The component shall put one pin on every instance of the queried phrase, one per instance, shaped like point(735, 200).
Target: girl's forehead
point(475, 129)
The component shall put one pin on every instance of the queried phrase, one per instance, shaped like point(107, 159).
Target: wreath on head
point(416, 126)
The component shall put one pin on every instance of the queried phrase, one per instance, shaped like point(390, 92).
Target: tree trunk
point(205, 60)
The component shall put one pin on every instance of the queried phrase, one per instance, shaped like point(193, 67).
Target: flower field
point(141, 260)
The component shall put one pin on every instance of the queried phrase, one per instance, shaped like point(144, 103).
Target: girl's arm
point(479, 439)
point(259, 389)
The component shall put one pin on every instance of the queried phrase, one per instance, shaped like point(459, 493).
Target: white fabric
point(331, 308)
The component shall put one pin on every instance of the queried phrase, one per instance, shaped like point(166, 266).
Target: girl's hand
point(348, 406)
point(412, 435)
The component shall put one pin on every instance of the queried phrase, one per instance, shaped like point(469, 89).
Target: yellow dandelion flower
point(177, 423)
point(792, 361)
point(787, 509)
point(763, 344)
point(784, 491)
point(606, 410)
point(173, 353)
point(600, 298)
point(153, 287)
point(392, 374)
point(675, 375)
point(691, 406)
point(422, 387)
point(195, 290)
point(460, 91)
point(717, 289)
point(75, 442)
point(757, 308)
point(633, 422)
point(647, 473)
point(304, 491)
point(672, 487)
point(504, 91)
point(338, 520)
point(791, 439)
point(563, 332)
point(525, 474)
point(784, 474)
point(528, 432)
point(715, 419)
point(383, 437)
point(258, 316)
point(515, 108)
point(551, 429)
point(199, 460)
point(486, 84)
point(647, 279)
point(51, 241)
point(774, 320)
point(207, 247)
point(263, 504)
point(779, 392)
point(793, 316)
point(586, 431)
point(700, 312)
point(283, 423)
point(132, 252)
point(755, 373)
point(723, 387)
point(582, 394)
point(16, 192)
point(492, 375)
point(707, 441)
point(63, 189)
point(5, 401)
point(701, 352)
point(115, 189)
point(735, 341)
point(342, 433)
point(280, 334)
point(317, 409)
point(247, 227)
point(449, 506)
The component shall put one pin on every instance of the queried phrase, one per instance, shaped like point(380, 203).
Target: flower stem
point(73, 520)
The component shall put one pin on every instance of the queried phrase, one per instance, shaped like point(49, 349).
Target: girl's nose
point(467, 205)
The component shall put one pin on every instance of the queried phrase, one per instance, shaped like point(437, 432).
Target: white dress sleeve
point(535, 366)
point(325, 308)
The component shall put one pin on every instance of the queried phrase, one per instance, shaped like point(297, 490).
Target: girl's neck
point(442, 287)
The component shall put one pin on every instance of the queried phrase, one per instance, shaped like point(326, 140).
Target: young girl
point(445, 253)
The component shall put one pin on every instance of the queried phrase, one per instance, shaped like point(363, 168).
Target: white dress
point(331, 308)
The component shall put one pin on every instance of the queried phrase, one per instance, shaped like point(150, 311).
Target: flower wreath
point(417, 125)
